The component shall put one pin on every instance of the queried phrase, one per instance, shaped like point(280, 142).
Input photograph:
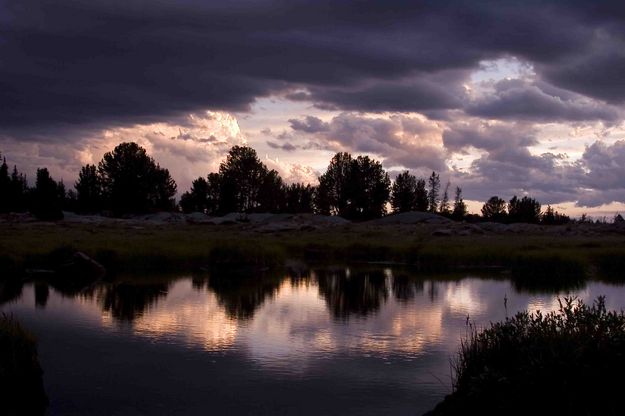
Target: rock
point(198, 218)
point(473, 229)
point(443, 232)
point(494, 227)
point(162, 218)
point(412, 217)
point(278, 227)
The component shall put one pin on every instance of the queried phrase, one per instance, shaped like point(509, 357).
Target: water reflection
point(367, 340)
point(543, 284)
point(127, 301)
point(10, 290)
point(42, 293)
point(191, 314)
point(350, 292)
point(406, 287)
point(241, 294)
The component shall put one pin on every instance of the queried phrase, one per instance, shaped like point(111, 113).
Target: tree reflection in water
point(347, 292)
point(9, 290)
point(127, 301)
point(42, 293)
point(352, 292)
point(405, 288)
point(241, 293)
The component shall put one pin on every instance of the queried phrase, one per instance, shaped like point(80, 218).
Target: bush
point(21, 385)
point(569, 361)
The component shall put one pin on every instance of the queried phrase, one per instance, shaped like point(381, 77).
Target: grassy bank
point(566, 362)
point(21, 386)
point(180, 247)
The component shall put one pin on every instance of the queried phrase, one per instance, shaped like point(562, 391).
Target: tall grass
point(124, 248)
point(570, 361)
point(21, 386)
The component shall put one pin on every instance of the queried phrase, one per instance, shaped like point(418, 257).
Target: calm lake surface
point(339, 341)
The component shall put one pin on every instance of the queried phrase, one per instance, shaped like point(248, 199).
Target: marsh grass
point(611, 265)
point(124, 248)
point(548, 272)
point(21, 385)
point(570, 361)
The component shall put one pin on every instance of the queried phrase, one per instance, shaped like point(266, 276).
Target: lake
point(328, 341)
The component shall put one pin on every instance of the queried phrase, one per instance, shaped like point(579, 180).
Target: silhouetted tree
point(133, 183)
point(197, 198)
point(353, 188)
point(460, 208)
point(46, 199)
point(421, 196)
point(5, 186)
point(434, 184)
point(298, 198)
point(618, 219)
point(61, 194)
point(271, 196)
point(14, 191)
point(332, 197)
point(243, 176)
point(404, 193)
point(88, 190)
point(70, 203)
point(552, 217)
point(444, 206)
point(209, 193)
point(525, 209)
point(369, 189)
point(494, 209)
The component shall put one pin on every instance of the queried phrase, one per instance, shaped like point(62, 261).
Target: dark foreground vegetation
point(21, 385)
point(566, 362)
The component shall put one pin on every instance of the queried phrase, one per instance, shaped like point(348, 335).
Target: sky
point(499, 97)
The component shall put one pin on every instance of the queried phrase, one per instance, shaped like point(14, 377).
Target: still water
point(311, 342)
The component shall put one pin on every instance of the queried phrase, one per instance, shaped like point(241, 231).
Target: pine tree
point(444, 206)
point(434, 184)
point(460, 208)
point(5, 186)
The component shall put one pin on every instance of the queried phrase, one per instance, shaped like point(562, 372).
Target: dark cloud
point(480, 135)
point(605, 165)
point(309, 124)
point(420, 93)
point(284, 146)
point(94, 62)
point(521, 100)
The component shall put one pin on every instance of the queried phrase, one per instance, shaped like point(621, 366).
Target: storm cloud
point(90, 62)
point(398, 79)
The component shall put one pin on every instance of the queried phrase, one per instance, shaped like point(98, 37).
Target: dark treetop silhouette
point(128, 181)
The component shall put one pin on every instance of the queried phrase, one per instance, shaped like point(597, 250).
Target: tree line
point(128, 181)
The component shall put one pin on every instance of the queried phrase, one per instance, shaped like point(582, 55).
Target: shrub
point(569, 361)
point(21, 385)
